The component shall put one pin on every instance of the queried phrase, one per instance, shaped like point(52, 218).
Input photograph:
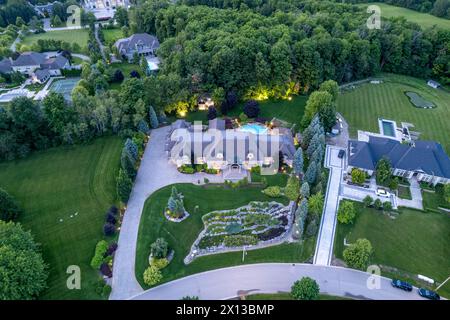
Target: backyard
point(65, 193)
point(414, 243)
point(423, 19)
point(112, 35)
point(362, 106)
point(79, 36)
point(287, 110)
point(181, 236)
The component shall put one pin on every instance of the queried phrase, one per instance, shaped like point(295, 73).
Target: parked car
point(428, 294)
point(401, 285)
point(382, 193)
point(341, 154)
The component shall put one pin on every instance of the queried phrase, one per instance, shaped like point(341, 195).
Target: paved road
point(273, 277)
point(324, 247)
point(154, 173)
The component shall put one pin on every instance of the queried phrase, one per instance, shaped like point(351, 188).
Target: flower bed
point(253, 224)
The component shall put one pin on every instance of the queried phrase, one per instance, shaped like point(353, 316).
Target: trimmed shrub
point(251, 108)
point(111, 249)
point(367, 201)
point(152, 276)
point(159, 263)
point(346, 212)
point(109, 229)
point(305, 289)
point(272, 191)
point(99, 255)
point(105, 269)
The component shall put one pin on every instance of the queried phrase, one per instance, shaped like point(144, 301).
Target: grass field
point(415, 242)
point(182, 235)
point(287, 296)
point(362, 106)
point(423, 19)
point(126, 68)
point(287, 110)
point(54, 185)
point(112, 35)
point(79, 36)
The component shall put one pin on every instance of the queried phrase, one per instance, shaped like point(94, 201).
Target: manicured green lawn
point(433, 200)
point(423, 19)
point(361, 107)
point(126, 68)
point(287, 110)
point(112, 35)
point(79, 36)
point(404, 192)
point(287, 296)
point(182, 235)
point(415, 242)
point(56, 184)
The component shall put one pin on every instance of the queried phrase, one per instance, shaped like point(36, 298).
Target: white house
point(425, 160)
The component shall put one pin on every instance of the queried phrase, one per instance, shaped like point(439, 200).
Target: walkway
point(274, 277)
point(416, 196)
point(324, 247)
point(154, 173)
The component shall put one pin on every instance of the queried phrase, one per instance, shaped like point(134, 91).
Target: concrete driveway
point(325, 239)
point(274, 277)
point(154, 173)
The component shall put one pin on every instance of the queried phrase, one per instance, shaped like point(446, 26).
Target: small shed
point(433, 84)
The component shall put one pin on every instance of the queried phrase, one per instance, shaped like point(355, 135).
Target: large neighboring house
point(30, 63)
point(141, 43)
point(425, 160)
point(235, 147)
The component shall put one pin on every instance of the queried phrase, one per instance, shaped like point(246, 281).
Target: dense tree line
point(14, 9)
point(289, 48)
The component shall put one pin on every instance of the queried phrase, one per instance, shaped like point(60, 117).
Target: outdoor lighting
point(290, 98)
point(182, 113)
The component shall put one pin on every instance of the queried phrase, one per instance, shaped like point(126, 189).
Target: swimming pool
point(254, 128)
point(388, 128)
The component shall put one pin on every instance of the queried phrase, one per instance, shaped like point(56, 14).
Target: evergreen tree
point(298, 162)
point(304, 190)
point(131, 149)
point(124, 186)
point(128, 165)
point(154, 123)
point(311, 173)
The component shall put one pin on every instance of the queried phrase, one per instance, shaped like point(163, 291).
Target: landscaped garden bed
point(257, 223)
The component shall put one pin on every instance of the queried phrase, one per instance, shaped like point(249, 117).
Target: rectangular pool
point(388, 128)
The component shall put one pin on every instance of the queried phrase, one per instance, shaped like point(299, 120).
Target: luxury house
point(36, 65)
point(425, 160)
point(142, 44)
point(221, 148)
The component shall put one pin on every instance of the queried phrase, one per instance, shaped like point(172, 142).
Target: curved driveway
point(154, 173)
point(273, 277)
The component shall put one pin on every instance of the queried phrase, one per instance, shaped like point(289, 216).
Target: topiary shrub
point(159, 263)
point(111, 249)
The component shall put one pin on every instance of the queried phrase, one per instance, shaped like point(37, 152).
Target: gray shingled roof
point(41, 74)
point(130, 43)
point(55, 63)
point(29, 59)
point(425, 156)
